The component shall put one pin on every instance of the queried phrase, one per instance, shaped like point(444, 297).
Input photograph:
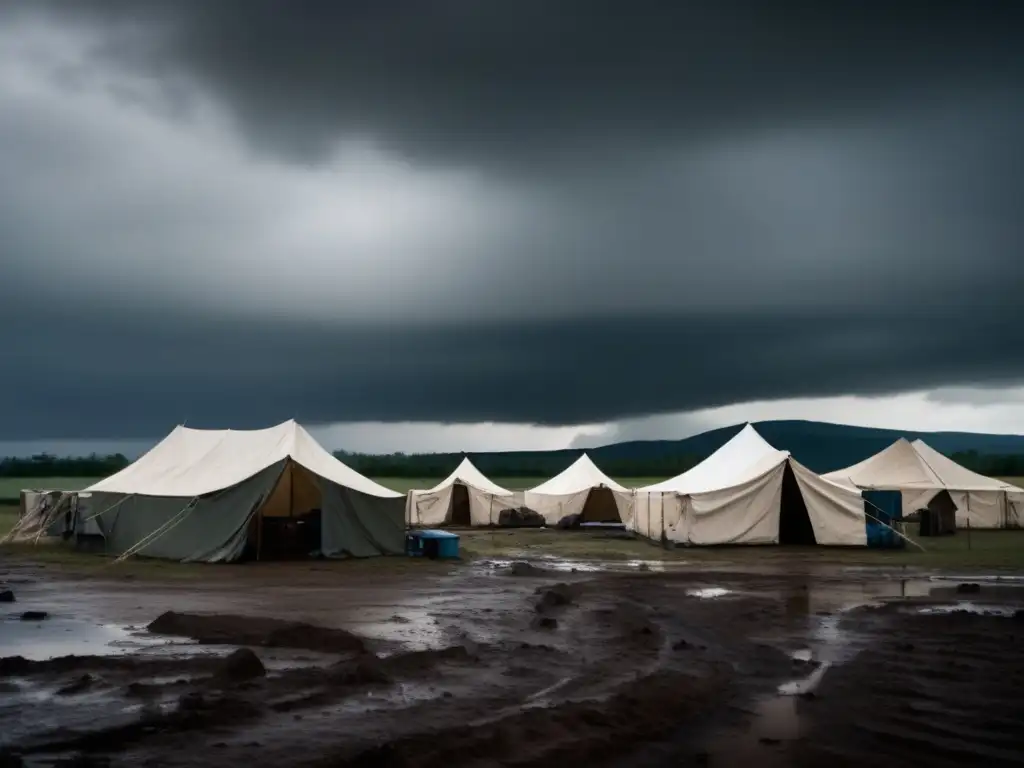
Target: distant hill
point(820, 446)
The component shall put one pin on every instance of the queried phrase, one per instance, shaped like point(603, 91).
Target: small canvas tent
point(465, 497)
point(582, 490)
point(747, 492)
point(920, 473)
point(221, 495)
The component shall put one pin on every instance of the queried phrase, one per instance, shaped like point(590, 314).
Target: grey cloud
point(437, 212)
point(520, 81)
point(132, 377)
point(975, 396)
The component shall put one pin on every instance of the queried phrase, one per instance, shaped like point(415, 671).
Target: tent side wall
point(747, 513)
point(556, 507)
point(485, 508)
point(837, 515)
point(355, 524)
point(1014, 509)
point(983, 509)
point(654, 513)
point(210, 529)
point(429, 508)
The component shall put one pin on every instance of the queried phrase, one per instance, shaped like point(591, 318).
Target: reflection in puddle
point(61, 636)
point(807, 684)
point(709, 592)
point(558, 565)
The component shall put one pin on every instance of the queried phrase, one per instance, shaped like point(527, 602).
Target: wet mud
point(519, 666)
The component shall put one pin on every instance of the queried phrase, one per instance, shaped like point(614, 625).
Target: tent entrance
point(288, 525)
point(458, 512)
point(794, 522)
point(600, 507)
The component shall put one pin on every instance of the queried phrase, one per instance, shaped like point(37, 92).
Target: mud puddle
point(69, 636)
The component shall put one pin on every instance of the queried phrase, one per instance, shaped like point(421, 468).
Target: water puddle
point(65, 636)
point(559, 565)
point(709, 593)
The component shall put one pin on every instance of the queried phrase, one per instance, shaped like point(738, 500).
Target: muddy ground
point(486, 664)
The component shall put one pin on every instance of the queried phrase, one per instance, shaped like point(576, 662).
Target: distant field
point(11, 487)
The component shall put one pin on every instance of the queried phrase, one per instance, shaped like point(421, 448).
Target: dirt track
point(471, 666)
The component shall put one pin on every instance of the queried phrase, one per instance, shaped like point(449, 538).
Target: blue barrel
point(436, 545)
point(882, 510)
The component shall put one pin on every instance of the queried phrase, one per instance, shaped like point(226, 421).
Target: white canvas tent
point(207, 495)
point(581, 489)
point(465, 497)
point(920, 473)
point(748, 492)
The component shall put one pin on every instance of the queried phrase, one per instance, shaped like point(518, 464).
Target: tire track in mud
point(938, 689)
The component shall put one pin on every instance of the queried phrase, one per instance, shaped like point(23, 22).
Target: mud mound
point(520, 518)
point(941, 690)
point(133, 666)
point(523, 568)
point(242, 664)
point(556, 596)
point(574, 733)
point(80, 685)
point(223, 629)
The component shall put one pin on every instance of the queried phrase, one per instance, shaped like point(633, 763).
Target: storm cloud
point(232, 213)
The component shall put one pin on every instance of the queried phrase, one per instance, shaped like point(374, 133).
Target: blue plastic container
point(886, 507)
point(436, 545)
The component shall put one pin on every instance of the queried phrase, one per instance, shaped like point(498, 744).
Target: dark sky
point(235, 212)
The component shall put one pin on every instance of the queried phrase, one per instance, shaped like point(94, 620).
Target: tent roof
point(583, 474)
point(916, 465)
point(195, 462)
point(467, 474)
point(955, 476)
point(745, 456)
point(898, 466)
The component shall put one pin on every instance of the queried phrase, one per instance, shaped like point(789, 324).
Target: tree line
point(499, 465)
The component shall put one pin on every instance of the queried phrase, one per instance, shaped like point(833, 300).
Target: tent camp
point(581, 489)
point(465, 497)
point(747, 492)
point(224, 495)
point(922, 474)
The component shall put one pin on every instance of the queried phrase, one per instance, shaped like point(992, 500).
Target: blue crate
point(442, 545)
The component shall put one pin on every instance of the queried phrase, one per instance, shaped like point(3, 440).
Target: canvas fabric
point(569, 492)
point(735, 497)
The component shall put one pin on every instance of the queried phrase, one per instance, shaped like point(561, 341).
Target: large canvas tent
point(221, 495)
point(465, 497)
point(921, 474)
point(748, 492)
point(583, 492)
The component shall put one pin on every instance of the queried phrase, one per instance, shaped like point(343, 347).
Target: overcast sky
point(454, 225)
